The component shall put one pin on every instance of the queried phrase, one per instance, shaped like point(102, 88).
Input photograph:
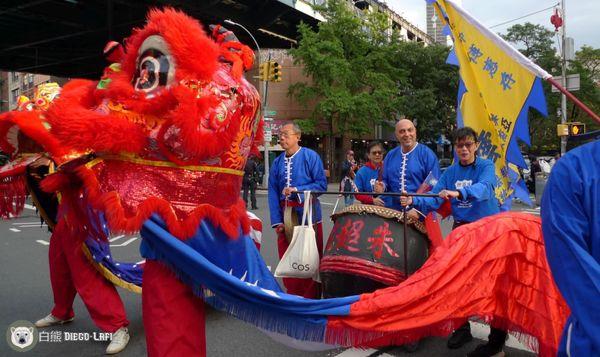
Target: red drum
point(365, 250)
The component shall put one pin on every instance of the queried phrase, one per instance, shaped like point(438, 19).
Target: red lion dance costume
point(166, 131)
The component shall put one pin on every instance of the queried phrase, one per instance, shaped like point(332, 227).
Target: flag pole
point(574, 99)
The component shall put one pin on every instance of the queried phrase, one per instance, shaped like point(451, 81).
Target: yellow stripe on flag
point(497, 88)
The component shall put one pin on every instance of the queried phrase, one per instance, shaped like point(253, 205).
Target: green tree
point(353, 83)
point(587, 64)
point(536, 43)
point(429, 94)
point(362, 74)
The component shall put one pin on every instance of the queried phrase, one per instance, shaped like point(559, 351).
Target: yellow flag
point(498, 86)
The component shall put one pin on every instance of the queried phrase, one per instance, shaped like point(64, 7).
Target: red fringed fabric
point(230, 220)
point(494, 269)
point(14, 193)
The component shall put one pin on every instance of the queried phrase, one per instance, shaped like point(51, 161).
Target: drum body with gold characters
point(365, 250)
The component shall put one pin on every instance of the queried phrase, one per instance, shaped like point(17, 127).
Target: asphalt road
point(25, 294)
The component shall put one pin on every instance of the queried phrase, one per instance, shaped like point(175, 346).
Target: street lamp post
point(563, 99)
point(264, 95)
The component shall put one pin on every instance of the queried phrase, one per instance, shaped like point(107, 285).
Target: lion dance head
point(166, 130)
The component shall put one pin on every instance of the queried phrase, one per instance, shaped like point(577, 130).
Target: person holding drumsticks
point(407, 166)
point(469, 185)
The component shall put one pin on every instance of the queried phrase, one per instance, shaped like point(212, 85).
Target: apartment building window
point(14, 95)
point(30, 80)
point(15, 76)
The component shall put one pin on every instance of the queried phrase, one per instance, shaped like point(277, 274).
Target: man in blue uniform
point(469, 185)
point(571, 227)
point(406, 167)
point(297, 169)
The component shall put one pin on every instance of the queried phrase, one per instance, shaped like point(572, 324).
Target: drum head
point(368, 242)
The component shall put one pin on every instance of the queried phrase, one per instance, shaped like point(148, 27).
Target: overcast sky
point(583, 22)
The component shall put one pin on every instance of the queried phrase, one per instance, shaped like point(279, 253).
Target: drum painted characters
point(365, 250)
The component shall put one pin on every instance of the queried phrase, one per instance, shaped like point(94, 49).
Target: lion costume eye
point(155, 65)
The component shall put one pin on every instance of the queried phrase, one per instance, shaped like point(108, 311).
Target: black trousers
point(249, 185)
point(496, 337)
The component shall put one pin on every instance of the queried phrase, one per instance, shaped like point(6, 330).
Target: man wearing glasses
point(297, 169)
point(469, 185)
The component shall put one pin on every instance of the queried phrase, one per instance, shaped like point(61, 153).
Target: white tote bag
point(301, 259)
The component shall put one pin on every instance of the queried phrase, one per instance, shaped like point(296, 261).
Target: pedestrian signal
point(562, 129)
point(263, 71)
point(576, 128)
point(275, 72)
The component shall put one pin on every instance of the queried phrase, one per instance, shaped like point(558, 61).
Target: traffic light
point(263, 71)
point(576, 128)
point(570, 129)
point(275, 72)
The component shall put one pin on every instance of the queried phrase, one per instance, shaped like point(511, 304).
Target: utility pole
point(267, 144)
point(265, 88)
point(563, 99)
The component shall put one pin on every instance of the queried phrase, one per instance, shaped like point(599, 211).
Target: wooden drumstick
point(405, 245)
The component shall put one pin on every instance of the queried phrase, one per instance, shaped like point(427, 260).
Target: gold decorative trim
point(382, 212)
point(108, 275)
point(137, 160)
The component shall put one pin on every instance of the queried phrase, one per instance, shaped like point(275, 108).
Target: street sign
point(268, 135)
point(572, 82)
point(562, 129)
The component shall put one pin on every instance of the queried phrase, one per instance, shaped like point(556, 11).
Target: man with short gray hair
point(296, 170)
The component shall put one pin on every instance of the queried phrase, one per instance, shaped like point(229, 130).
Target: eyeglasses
point(287, 134)
point(376, 153)
point(467, 145)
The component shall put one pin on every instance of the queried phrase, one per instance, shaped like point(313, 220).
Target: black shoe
point(411, 347)
point(254, 207)
point(459, 338)
point(487, 350)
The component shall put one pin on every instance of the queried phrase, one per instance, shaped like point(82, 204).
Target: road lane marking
point(115, 238)
point(14, 229)
point(42, 242)
point(124, 243)
point(357, 352)
point(29, 207)
point(36, 225)
point(481, 331)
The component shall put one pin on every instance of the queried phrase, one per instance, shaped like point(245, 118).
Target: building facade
point(435, 25)
point(15, 84)
point(281, 108)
